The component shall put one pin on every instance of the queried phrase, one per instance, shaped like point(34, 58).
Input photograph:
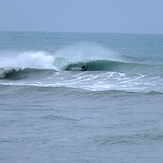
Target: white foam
point(39, 60)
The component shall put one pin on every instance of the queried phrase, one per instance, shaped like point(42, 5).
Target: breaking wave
point(33, 64)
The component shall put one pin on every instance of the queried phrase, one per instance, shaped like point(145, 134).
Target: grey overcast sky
point(106, 16)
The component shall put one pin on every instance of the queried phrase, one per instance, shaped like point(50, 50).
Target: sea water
point(52, 111)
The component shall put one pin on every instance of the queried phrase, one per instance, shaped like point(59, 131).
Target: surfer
point(83, 68)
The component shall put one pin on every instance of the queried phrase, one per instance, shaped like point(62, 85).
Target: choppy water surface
point(54, 111)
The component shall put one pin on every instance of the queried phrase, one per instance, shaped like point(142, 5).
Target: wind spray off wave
point(15, 65)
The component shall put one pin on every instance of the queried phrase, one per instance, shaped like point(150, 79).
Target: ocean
point(54, 110)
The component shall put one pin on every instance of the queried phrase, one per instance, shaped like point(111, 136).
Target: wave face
point(106, 65)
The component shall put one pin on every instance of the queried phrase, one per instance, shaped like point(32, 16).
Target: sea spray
point(87, 51)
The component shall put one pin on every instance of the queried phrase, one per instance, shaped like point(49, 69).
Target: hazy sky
point(111, 16)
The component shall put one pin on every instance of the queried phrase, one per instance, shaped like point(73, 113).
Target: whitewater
point(52, 110)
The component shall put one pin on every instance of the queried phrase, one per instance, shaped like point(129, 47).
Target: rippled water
point(51, 111)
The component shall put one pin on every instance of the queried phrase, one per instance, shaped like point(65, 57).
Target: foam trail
point(39, 60)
